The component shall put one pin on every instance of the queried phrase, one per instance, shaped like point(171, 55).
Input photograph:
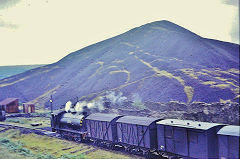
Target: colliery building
point(28, 108)
point(10, 105)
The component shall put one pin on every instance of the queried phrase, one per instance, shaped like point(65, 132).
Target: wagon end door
point(180, 141)
point(169, 143)
point(233, 147)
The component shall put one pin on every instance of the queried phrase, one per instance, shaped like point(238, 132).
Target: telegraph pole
point(51, 101)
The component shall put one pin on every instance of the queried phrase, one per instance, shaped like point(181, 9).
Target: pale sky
point(44, 31)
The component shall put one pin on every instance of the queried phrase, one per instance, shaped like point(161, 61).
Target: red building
point(10, 105)
point(28, 108)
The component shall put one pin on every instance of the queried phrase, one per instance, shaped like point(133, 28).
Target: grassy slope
point(7, 154)
point(35, 146)
point(26, 122)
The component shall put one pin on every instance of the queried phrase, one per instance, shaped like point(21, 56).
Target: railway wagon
point(228, 142)
point(150, 136)
point(102, 127)
point(188, 139)
point(137, 133)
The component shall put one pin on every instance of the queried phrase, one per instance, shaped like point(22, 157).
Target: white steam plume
point(68, 106)
point(79, 106)
point(111, 96)
point(116, 98)
point(136, 98)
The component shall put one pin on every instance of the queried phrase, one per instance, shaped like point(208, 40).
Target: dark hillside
point(158, 62)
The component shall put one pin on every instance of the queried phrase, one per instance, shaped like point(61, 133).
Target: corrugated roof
point(102, 117)
point(230, 130)
point(7, 101)
point(188, 124)
point(146, 121)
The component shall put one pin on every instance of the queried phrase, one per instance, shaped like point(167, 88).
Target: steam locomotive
point(170, 138)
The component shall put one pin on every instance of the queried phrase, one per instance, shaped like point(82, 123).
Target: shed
point(28, 108)
point(228, 142)
point(188, 138)
point(102, 126)
point(137, 131)
point(10, 105)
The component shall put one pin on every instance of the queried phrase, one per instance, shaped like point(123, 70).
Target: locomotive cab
point(55, 119)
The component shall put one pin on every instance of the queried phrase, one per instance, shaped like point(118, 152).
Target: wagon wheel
point(62, 135)
point(112, 147)
point(140, 151)
point(132, 151)
point(96, 142)
point(77, 139)
point(127, 149)
point(173, 157)
point(69, 137)
point(146, 153)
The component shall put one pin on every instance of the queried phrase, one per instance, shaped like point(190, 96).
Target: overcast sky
point(44, 31)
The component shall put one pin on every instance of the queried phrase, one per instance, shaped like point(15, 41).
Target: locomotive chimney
point(86, 111)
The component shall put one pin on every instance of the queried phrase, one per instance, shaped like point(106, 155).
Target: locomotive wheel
point(147, 154)
point(110, 146)
point(113, 147)
point(79, 139)
point(62, 135)
point(133, 151)
point(96, 143)
point(127, 149)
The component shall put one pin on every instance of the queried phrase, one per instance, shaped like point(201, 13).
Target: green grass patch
point(190, 72)
point(32, 146)
point(20, 148)
point(189, 92)
point(17, 120)
point(16, 147)
point(221, 86)
point(209, 83)
point(26, 122)
point(233, 70)
point(44, 114)
point(5, 153)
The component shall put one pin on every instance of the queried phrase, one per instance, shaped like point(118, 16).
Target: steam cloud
point(115, 98)
point(136, 98)
point(79, 106)
point(68, 106)
point(111, 96)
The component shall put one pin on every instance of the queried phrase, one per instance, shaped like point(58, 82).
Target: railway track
point(37, 131)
